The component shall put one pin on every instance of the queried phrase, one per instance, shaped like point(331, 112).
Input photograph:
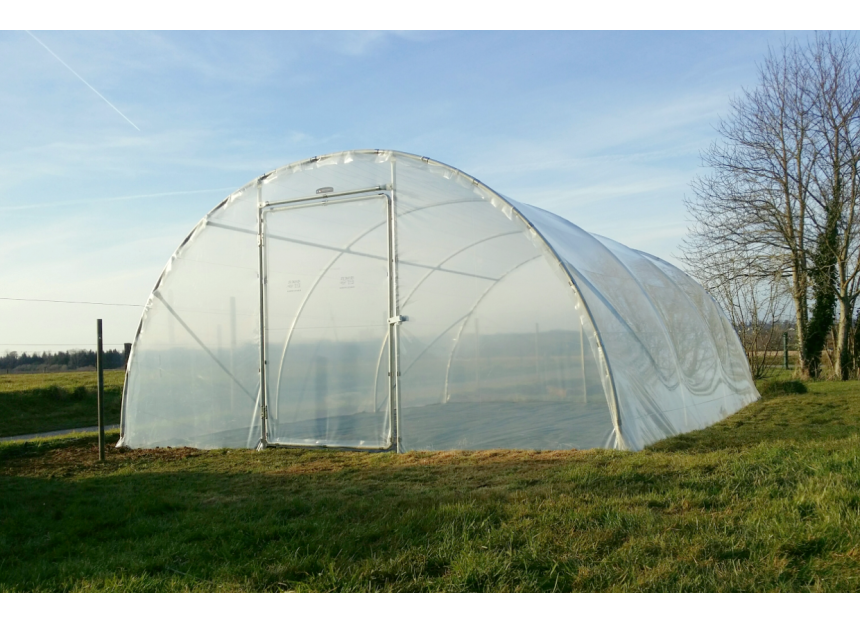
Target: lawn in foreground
point(36, 402)
point(767, 500)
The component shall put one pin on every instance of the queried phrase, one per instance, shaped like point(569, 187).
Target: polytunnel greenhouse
point(380, 300)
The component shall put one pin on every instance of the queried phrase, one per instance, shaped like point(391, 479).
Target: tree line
point(61, 360)
point(775, 231)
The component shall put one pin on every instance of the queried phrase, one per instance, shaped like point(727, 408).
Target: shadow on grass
point(286, 519)
point(781, 387)
point(670, 519)
point(180, 518)
point(392, 529)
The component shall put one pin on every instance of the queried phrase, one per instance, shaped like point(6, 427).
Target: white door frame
point(394, 319)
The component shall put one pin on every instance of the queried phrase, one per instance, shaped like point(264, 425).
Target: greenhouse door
point(326, 308)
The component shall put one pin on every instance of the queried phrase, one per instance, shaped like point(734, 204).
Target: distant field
point(768, 500)
point(36, 402)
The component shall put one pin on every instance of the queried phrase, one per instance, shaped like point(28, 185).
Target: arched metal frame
point(511, 209)
point(394, 320)
point(660, 321)
point(393, 335)
point(465, 318)
point(424, 277)
point(614, 407)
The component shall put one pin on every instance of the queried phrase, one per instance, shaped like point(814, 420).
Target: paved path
point(50, 434)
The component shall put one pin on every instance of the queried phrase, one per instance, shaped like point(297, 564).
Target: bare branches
point(778, 207)
point(751, 209)
point(752, 289)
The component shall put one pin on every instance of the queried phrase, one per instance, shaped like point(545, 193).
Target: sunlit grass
point(31, 403)
point(768, 500)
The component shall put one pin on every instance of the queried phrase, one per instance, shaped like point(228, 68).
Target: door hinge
point(397, 319)
point(264, 412)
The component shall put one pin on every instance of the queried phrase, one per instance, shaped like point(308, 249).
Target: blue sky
point(603, 128)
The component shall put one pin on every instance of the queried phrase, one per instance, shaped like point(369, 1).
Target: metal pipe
point(390, 447)
point(414, 289)
point(264, 406)
point(392, 207)
point(393, 433)
point(197, 339)
point(323, 196)
point(615, 408)
point(346, 250)
point(467, 316)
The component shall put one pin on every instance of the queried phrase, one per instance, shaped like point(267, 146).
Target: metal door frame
point(394, 318)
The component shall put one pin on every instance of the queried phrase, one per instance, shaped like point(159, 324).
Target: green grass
point(32, 403)
point(767, 500)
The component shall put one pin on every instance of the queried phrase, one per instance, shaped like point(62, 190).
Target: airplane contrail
point(81, 79)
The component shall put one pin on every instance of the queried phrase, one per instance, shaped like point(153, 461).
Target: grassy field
point(36, 402)
point(768, 500)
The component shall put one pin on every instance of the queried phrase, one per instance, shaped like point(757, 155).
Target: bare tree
point(755, 202)
point(783, 185)
point(834, 69)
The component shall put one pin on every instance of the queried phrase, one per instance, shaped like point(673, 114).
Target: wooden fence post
point(101, 390)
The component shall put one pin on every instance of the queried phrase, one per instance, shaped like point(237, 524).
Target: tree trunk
point(798, 293)
point(843, 333)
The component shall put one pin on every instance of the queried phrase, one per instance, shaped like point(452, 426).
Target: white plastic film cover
point(674, 367)
point(497, 351)
point(193, 376)
point(401, 298)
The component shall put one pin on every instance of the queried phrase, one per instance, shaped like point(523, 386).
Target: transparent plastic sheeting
point(406, 305)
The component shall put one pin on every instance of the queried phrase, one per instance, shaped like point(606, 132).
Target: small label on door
point(294, 285)
point(347, 281)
